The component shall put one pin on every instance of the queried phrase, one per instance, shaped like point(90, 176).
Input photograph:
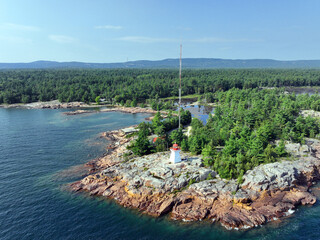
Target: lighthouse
point(175, 154)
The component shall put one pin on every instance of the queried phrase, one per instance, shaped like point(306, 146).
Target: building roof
point(129, 130)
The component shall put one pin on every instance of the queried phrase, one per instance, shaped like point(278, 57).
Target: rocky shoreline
point(132, 110)
point(189, 191)
point(55, 104)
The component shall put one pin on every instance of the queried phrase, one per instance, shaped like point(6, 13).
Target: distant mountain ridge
point(195, 63)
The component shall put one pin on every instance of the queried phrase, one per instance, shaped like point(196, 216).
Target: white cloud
point(222, 40)
point(110, 27)
point(140, 39)
point(62, 39)
point(19, 27)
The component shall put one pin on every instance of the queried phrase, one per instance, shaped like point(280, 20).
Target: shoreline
point(71, 105)
point(132, 110)
point(55, 104)
point(187, 191)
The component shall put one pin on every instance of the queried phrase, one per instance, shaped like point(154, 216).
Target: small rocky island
point(189, 191)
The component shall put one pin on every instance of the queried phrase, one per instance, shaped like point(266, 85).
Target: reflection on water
point(199, 111)
point(303, 90)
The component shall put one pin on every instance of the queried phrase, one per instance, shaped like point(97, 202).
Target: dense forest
point(245, 126)
point(120, 85)
point(247, 123)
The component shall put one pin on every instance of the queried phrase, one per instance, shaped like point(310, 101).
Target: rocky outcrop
point(132, 110)
point(311, 113)
point(77, 112)
point(116, 151)
point(55, 104)
point(189, 191)
point(282, 175)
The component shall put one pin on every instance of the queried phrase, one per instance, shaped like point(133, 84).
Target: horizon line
point(230, 59)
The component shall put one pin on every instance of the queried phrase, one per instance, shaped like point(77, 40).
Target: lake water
point(199, 111)
point(38, 149)
point(303, 90)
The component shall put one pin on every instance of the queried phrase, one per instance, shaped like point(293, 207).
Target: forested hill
point(200, 63)
point(122, 85)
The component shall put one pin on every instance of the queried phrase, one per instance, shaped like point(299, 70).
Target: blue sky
point(117, 30)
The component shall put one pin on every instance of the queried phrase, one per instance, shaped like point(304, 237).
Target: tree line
point(138, 85)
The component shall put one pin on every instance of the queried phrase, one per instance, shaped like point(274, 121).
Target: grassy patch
point(182, 97)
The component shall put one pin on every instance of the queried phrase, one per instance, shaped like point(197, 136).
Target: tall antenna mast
point(180, 88)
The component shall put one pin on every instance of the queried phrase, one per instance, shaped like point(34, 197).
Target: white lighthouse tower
point(175, 154)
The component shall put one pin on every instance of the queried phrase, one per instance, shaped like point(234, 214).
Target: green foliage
point(176, 136)
point(270, 154)
point(142, 105)
point(24, 99)
point(154, 105)
point(240, 177)
point(97, 100)
point(195, 144)
point(209, 153)
point(209, 177)
point(246, 123)
point(280, 149)
point(209, 97)
point(184, 145)
point(160, 130)
point(159, 126)
point(161, 145)
point(160, 105)
point(156, 121)
point(191, 181)
point(185, 117)
point(134, 103)
point(142, 146)
point(120, 85)
point(128, 103)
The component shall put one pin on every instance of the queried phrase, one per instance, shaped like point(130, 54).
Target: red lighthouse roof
point(175, 147)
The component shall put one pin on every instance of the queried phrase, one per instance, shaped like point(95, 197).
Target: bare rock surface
point(311, 113)
point(189, 191)
point(132, 110)
point(55, 104)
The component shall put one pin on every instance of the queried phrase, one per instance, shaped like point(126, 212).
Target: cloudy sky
point(121, 30)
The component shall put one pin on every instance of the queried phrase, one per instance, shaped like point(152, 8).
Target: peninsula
point(189, 191)
point(239, 173)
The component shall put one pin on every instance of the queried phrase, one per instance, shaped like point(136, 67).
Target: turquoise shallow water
point(38, 149)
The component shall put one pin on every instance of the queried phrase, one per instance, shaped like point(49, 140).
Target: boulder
point(154, 183)
point(241, 196)
point(166, 206)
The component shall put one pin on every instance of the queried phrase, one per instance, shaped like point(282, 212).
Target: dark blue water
point(38, 149)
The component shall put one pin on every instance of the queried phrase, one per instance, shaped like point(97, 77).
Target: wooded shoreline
point(155, 187)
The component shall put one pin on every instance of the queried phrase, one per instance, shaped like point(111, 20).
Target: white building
point(175, 154)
